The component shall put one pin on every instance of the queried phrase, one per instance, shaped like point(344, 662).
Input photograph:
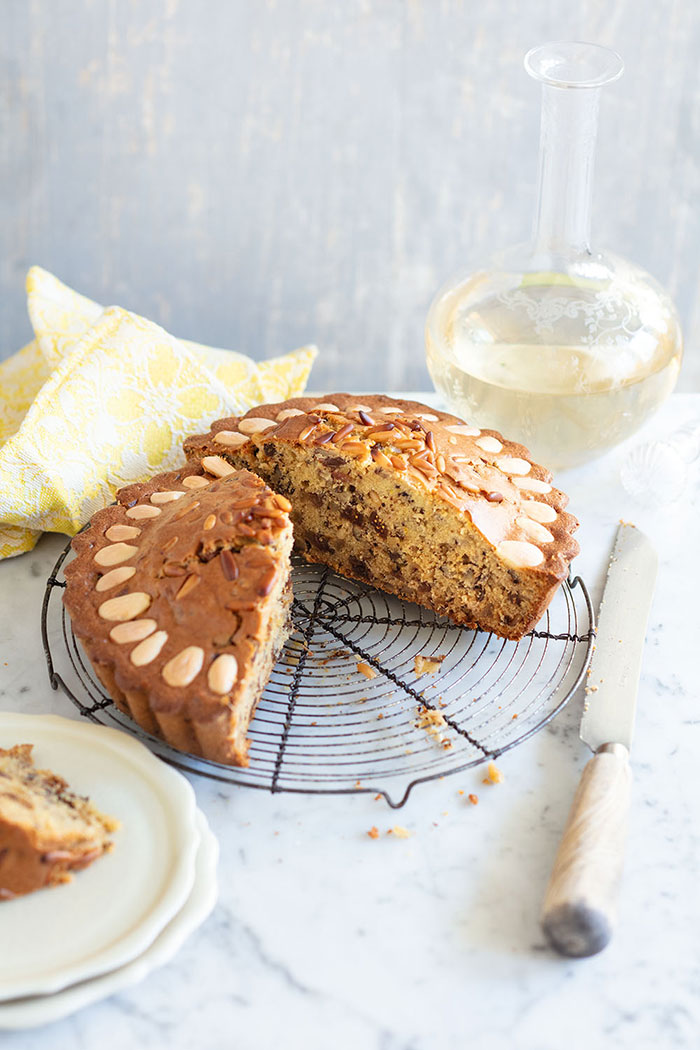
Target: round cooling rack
point(347, 709)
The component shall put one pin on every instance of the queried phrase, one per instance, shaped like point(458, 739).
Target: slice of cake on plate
point(46, 831)
point(410, 500)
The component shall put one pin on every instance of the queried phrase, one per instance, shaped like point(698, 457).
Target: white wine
point(569, 368)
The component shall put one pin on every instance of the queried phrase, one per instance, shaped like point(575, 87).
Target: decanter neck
point(567, 151)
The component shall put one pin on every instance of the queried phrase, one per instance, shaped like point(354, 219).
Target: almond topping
point(356, 449)
point(229, 565)
point(383, 436)
point(360, 408)
point(217, 466)
point(230, 438)
point(184, 667)
point(145, 652)
point(125, 607)
point(115, 554)
point(489, 444)
point(209, 522)
point(166, 497)
point(188, 586)
point(326, 408)
point(539, 511)
point(427, 417)
point(115, 577)
point(398, 463)
point(195, 481)
point(282, 502)
point(255, 425)
point(513, 465)
point(379, 458)
point(222, 674)
point(343, 432)
point(142, 510)
point(307, 432)
point(520, 554)
point(440, 463)
point(288, 413)
point(266, 582)
point(134, 631)
point(463, 429)
point(390, 411)
point(122, 532)
point(532, 485)
point(534, 531)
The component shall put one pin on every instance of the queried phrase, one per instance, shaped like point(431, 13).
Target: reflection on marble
point(326, 938)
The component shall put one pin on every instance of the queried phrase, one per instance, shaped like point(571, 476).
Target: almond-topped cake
point(46, 831)
point(180, 595)
point(410, 500)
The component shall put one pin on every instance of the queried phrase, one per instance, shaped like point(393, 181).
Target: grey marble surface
point(325, 938)
point(259, 174)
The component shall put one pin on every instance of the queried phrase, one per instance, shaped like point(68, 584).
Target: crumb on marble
point(399, 832)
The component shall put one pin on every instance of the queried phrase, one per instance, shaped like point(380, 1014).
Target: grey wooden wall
point(262, 173)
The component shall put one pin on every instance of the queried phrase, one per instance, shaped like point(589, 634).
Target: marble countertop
point(323, 937)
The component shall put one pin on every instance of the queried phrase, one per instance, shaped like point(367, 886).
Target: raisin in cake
point(411, 500)
point(180, 595)
point(46, 831)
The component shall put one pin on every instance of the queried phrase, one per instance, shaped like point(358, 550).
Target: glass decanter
point(563, 348)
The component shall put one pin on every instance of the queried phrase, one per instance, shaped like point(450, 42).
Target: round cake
point(409, 499)
point(180, 595)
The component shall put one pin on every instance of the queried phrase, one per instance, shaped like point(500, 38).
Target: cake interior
point(371, 525)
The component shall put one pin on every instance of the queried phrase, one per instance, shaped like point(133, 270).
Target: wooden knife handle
point(579, 907)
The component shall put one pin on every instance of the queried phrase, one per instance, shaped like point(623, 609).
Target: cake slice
point(180, 595)
point(46, 831)
point(410, 500)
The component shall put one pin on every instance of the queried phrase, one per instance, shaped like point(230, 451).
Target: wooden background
point(257, 174)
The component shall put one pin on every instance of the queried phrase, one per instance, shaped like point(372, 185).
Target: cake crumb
point(474, 799)
point(366, 670)
point(494, 774)
point(427, 664)
point(399, 832)
point(373, 832)
point(377, 796)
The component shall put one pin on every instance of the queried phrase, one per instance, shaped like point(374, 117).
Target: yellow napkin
point(102, 398)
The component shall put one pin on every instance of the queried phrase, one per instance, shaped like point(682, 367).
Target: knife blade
point(611, 693)
point(578, 915)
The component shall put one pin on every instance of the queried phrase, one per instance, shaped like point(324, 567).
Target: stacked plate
point(132, 909)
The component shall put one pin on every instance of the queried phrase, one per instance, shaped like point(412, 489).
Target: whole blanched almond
point(114, 577)
point(217, 466)
point(223, 673)
point(184, 667)
point(115, 553)
point(122, 532)
point(147, 650)
point(166, 497)
point(125, 607)
point(142, 510)
point(255, 425)
point(230, 439)
point(134, 631)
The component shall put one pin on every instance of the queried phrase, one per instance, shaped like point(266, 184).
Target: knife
point(578, 914)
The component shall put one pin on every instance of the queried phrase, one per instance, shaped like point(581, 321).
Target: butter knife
point(578, 915)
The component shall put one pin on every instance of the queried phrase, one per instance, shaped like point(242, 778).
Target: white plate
point(113, 910)
point(26, 1013)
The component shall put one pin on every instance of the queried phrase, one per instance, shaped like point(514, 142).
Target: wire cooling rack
point(323, 726)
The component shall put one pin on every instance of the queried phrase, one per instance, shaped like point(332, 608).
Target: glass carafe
point(561, 347)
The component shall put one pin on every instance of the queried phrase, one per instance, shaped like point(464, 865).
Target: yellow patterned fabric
point(102, 398)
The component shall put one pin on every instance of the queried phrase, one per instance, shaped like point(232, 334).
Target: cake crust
point(469, 488)
point(180, 595)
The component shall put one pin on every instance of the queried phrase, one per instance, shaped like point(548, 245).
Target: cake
point(46, 831)
point(180, 595)
point(410, 500)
